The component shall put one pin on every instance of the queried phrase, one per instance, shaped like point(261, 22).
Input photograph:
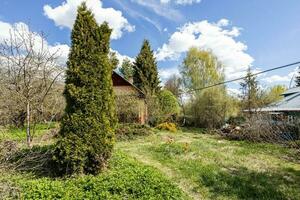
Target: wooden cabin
point(125, 91)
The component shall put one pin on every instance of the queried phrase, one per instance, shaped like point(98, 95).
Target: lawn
point(209, 167)
point(183, 165)
point(30, 174)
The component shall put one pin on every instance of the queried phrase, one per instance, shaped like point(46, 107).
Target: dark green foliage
point(113, 59)
point(145, 75)
point(131, 131)
point(86, 137)
point(127, 179)
point(127, 69)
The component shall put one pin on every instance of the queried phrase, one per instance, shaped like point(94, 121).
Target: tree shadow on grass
point(245, 184)
point(37, 160)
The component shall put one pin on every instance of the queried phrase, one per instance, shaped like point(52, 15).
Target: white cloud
point(65, 15)
point(234, 92)
point(165, 73)
point(274, 79)
point(135, 14)
point(122, 57)
point(277, 78)
point(61, 50)
point(209, 36)
point(180, 2)
point(161, 9)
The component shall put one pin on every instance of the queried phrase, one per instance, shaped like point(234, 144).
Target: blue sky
point(257, 33)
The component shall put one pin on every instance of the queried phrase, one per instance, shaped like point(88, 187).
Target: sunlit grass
point(221, 169)
point(19, 134)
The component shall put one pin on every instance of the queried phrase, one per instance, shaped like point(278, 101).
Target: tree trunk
point(28, 135)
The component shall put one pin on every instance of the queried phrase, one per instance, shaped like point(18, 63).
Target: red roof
point(118, 80)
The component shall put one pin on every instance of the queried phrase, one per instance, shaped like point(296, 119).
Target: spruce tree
point(145, 75)
point(250, 93)
point(86, 136)
point(127, 69)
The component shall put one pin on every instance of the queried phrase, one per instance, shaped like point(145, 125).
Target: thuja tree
point(86, 136)
point(145, 75)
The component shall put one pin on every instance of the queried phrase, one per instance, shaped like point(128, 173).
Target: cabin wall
point(130, 91)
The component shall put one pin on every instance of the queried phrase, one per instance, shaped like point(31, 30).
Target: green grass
point(19, 134)
point(125, 179)
point(188, 164)
point(30, 174)
point(209, 167)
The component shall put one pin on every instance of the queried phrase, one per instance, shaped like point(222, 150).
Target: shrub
point(168, 104)
point(87, 131)
point(163, 107)
point(167, 126)
point(131, 131)
point(127, 108)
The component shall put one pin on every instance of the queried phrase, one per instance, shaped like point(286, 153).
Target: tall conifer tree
point(145, 74)
point(87, 129)
point(127, 69)
point(251, 100)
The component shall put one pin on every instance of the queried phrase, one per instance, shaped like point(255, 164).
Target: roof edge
point(136, 88)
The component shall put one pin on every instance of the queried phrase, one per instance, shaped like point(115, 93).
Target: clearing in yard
point(209, 167)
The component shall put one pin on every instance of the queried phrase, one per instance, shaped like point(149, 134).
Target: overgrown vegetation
point(128, 108)
point(262, 128)
point(201, 165)
point(125, 178)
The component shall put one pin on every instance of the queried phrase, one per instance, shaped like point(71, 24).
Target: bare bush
point(29, 69)
point(262, 128)
point(37, 160)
